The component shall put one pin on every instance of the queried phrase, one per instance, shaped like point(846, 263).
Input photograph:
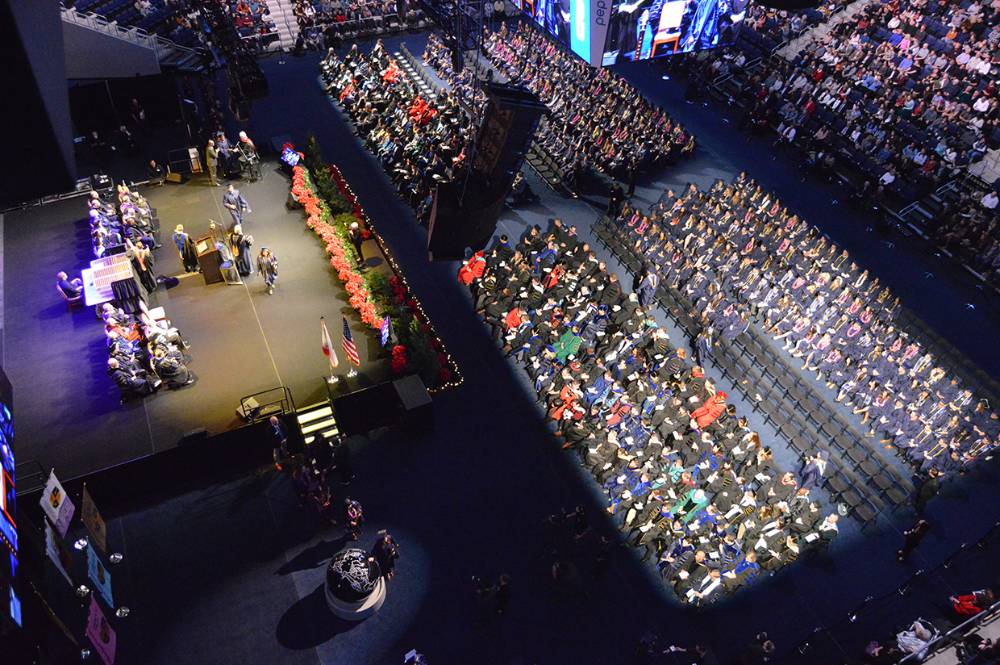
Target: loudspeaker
point(415, 402)
point(465, 211)
point(404, 402)
point(455, 225)
point(176, 178)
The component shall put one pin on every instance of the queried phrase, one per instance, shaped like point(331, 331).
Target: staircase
point(285, 22)
point(988, 169)
point(317, 419)
point(99, 48)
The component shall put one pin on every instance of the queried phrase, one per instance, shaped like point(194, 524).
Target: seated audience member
point(741, 259)
point(132, 380)
point(684, 476)
point(971, 604)
point(71, 288)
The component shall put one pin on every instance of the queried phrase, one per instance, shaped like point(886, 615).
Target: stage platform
point(242, 339)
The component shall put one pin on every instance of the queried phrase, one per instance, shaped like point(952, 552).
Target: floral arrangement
point(330, 208)
point(342, 256)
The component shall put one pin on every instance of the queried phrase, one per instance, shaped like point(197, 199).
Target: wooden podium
point(209, 260)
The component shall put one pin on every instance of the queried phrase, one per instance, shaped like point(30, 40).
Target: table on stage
point(102, 273)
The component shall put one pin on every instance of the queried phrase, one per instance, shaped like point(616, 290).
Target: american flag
point(350, 350)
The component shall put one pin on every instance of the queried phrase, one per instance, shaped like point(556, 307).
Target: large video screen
point(568, 21)
point(10, 605)
point(646, 29)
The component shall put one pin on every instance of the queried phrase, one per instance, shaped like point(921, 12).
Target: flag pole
point(328, 351)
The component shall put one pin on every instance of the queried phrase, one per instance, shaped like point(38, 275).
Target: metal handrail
point(160, 45)
point(285, 401)
point(948, 639)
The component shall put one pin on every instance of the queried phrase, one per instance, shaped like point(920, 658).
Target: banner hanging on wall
point(57, 505)
point(92, 519)
point(99, 575)
point(61, 557)
point(101, 634)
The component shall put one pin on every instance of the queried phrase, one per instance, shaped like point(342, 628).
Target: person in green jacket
point(568, 344)
point(692, 503)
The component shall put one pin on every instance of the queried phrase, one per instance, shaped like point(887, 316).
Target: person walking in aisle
point(912, 538)
point(354, 517)
point(236, 204)
point(267, 266)
point(240, 244)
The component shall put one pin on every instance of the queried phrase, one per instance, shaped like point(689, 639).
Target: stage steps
point(317, 418)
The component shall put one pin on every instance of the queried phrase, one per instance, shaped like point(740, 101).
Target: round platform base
point(360, 610)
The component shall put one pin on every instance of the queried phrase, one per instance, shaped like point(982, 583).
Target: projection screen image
point(646, 29)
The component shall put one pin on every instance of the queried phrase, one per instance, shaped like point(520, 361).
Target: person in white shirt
point(887, 178)
point(990, 200)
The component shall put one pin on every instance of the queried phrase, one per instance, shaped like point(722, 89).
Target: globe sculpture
point(354, 586)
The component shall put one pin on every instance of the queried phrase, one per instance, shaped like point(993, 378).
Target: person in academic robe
point(813, 470)
point(239, 244)
point(185, 249)
point(708, 412)
point(472, 269)
point(267, 266)
point(386, 553)
point(130, 380)
point(702, 586)
point(647, 289)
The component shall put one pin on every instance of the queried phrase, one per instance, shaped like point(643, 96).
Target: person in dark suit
point(132, 381)
point(237, 205)
point(278, 431)
point(357, 240)
point(71, 288)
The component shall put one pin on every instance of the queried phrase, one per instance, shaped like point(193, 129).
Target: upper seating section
point(182, 20)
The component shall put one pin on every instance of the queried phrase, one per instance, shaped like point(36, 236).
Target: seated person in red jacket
point(472, 269)
point(973, 603)
point(706, 414)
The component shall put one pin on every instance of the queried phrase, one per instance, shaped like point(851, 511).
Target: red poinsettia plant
point(332, 231)
point(399, 359)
